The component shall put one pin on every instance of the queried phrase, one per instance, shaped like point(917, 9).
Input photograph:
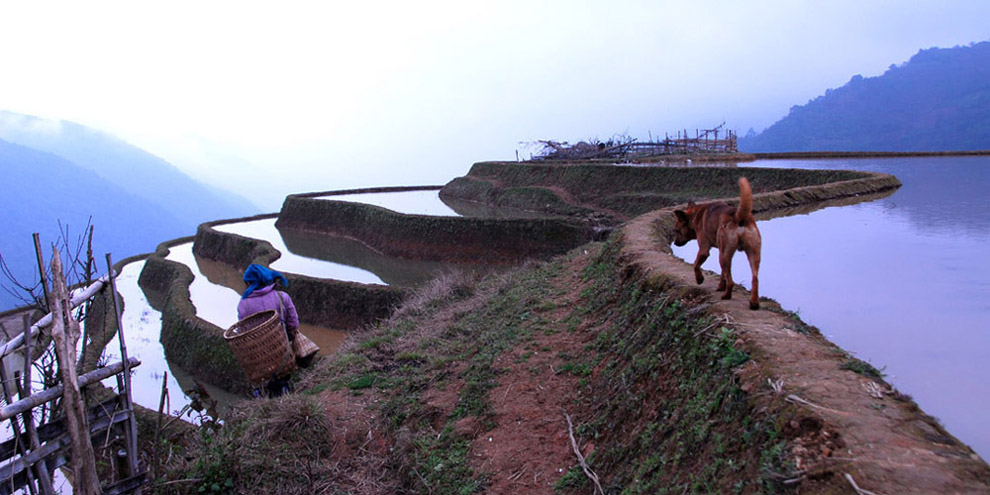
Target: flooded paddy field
point(217, 288)
point(896, 281)
point(425, 202)
point(292, 262)
point(142, 324)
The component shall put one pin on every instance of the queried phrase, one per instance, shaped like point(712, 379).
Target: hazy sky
point(270, 98)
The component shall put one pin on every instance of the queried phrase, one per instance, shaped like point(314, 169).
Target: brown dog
point(727, 228)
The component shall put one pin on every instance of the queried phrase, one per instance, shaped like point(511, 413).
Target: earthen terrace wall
point(633, 190)
point(454, 239)
point(888, 444)
point(193, 343)
point(330, 303)
point(198, 346)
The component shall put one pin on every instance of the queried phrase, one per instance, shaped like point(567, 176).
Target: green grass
point(668, 415)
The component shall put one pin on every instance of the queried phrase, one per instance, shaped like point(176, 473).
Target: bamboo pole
point(65, 332)
point(41, 266)
point(55, 392)
point(78, 298)
point(43, 471)
point(131, 431)
point(20, 441)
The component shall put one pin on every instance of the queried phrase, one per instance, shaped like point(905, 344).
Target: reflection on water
point(939, 194)
point(331, 257)
point(293, 261)
point(407, 202)
point(473, 209)
point(399, 272)
point(899, 281)
point(216, 290)
point(214, 303)
point(142, 326)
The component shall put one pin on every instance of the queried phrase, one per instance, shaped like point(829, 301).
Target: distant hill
point(135, 170)
point(41, 189)
point(937, 101)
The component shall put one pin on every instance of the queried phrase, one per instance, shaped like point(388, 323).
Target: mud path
point(529, 448)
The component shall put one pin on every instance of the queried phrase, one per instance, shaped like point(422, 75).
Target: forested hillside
point(937, 101)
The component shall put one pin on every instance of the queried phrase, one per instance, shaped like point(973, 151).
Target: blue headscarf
point(260, 276)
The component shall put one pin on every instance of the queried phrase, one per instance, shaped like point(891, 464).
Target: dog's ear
point(681, 216)
point(690, 203)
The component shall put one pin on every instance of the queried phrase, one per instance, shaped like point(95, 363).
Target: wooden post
point(41, 267)
point(65, 332)
point(77, 299)
point(131, 432)
point(87, 336)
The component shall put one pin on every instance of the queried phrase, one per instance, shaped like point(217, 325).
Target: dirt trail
point(529, 449)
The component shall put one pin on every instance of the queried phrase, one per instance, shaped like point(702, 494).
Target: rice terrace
point(538, 337)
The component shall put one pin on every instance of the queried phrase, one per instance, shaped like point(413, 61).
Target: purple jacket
point(264, 299)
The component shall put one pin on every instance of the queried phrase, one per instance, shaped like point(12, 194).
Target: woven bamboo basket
point(261, 347)
point(304, 347)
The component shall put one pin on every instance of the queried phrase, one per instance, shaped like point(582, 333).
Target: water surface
point(292, 262)
point(407, 202)
point(216, 290)
point(142, 329)
point(898, 281)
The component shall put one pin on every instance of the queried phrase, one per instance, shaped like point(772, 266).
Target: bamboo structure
point(705, 141)
point(28, 460)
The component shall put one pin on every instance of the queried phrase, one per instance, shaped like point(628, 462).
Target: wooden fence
point(29, 459)
point(705, 141)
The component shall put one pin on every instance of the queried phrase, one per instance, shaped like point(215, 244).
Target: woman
point(261, 295)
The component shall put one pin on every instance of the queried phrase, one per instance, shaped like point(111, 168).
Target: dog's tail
point(744, 213)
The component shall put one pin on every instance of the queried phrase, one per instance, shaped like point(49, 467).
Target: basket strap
point(288, 358)
point(281, 308)
point(290, 354)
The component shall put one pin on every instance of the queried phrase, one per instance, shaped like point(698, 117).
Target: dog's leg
point(702, 256)
point(725, 260)
point(754, 265)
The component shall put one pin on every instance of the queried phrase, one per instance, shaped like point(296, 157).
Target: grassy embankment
point(652, 381)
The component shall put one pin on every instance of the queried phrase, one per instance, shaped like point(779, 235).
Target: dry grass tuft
point(296, 420)
point(448, 286)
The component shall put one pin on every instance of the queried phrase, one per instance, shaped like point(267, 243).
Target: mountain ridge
point(45, 193)
point(939, 100)
point(61, 175)
point(132, 168)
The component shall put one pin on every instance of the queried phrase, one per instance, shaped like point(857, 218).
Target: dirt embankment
point(448, 239)
point(611, 351)
point(616, 193)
